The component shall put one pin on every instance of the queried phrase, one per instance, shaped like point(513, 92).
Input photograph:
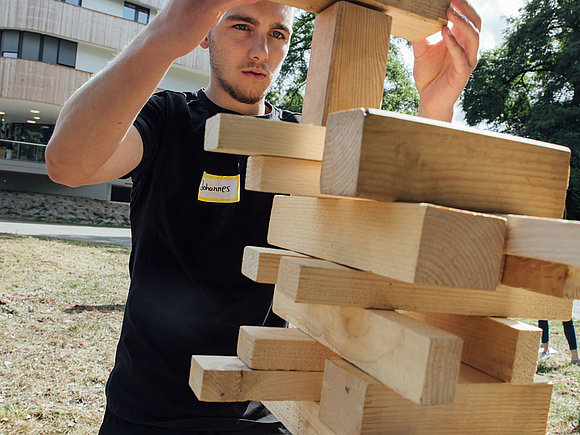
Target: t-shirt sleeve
point(150, 124)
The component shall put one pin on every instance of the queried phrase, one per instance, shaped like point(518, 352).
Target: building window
point(35, 46)
point(72, 2)
point(10, 43)
point(135, 13)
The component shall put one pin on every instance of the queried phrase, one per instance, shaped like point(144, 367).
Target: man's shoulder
point(176, 96)
point(279, 114)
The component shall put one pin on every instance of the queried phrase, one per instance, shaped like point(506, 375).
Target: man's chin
point(248, 97)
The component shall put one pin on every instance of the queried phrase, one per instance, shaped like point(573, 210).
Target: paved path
point(116, 236)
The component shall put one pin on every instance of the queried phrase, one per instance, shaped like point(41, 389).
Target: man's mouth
point(255, 74)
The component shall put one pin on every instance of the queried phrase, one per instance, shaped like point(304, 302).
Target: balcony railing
point(22, 151)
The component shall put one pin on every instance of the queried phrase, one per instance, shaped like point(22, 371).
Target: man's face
point(247, 48)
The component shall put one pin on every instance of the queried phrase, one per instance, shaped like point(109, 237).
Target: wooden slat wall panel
point(82, 25)
point(37, 81)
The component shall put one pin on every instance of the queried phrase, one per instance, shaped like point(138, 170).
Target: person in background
point(569, 332)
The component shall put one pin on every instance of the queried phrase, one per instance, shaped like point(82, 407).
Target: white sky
point(493, 14)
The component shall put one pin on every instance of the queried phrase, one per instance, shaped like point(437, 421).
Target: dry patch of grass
point(55, 360)
point(565, 406)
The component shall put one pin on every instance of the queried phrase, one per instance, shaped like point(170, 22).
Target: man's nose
point(259, 48)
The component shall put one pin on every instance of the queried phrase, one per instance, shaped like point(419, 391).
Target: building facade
point(48, 49)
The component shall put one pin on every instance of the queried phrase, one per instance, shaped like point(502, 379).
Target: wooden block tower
point(403, 249)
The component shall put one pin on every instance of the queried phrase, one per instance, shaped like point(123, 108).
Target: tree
point(400, 94)
point(530, 85)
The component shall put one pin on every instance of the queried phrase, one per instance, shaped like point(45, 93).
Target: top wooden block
point(387, 156)
point(412, 19)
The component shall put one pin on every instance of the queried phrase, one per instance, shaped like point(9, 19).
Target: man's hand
point(183, 24)
point(441, 70)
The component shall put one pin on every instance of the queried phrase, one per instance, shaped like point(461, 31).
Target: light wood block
point(353, 402)
point(412, 19)
point(261, 264)
point(300, 418)
point(283, 175)
point(393, 157)
point(554, 240)
point(227, 379)
point(414, 243)
point(263, 348)
point(554, 279)
point(249, 136)
point(321, 282)
point(418, 361)
point(503, 348)
point(543, 255)
point(348, 61)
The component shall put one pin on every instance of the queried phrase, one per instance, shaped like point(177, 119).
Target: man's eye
point(241, 27)
point(278, 35)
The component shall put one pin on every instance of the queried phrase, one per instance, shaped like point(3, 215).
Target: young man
point(187, 295)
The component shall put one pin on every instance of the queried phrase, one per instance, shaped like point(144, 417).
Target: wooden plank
point(387, 156)
point(263, 348)
point(246, 135)
point(543, 255)
point(503, 348)
point(321, 282)
point(283, 175)
point(348, 61)
point(353, 402)
point(261, 264)
point(414, 243)
point(412, 19)
point(554, 240)
point(554, 279)
point(418, 361)
point(227, 379)
point(300, 418)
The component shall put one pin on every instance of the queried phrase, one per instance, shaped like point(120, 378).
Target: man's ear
point(205, 43)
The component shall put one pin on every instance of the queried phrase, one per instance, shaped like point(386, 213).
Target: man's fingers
point(419, 47)
point(464, 8)
point(457, 53)
point(466, 34)
point(225, 5)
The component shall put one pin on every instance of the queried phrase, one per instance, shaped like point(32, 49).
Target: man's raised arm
point(94, 140)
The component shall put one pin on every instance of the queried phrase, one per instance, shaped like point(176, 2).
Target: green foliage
point(400, 94)
point(288, 93)
point(530, 85)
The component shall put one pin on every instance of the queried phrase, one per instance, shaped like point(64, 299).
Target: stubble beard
point(244, 96)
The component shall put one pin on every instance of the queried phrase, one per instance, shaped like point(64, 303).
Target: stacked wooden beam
point(402, 253)
point(402, 309)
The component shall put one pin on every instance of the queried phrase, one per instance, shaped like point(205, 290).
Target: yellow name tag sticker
point(219, 188)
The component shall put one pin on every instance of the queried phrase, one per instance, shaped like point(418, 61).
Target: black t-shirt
point(187, 294)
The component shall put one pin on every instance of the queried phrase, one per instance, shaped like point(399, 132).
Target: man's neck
point(220, 97)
